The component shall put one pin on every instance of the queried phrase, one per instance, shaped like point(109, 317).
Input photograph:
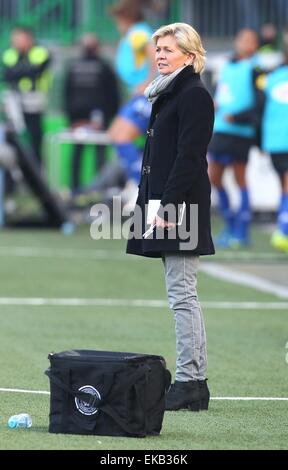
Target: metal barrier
point(48, 18)
point(56, 20)
point(63, 21)
point(54, 141)
point(223, 18)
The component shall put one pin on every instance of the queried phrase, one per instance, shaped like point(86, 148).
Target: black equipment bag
point(107, 393)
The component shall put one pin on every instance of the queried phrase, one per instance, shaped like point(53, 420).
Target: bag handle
point(103, 404)
point(108, 410)
point(168, 379)
point(132, 380)
point(90, 399)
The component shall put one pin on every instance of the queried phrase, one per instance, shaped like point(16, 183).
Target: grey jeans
point(181, 284)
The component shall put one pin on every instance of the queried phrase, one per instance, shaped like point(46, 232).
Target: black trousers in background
point(76, 162)
point(34, 126)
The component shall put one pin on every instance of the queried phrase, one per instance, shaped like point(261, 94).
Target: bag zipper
point(94, 359)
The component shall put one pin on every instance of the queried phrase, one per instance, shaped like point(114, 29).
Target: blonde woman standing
point(174, 171)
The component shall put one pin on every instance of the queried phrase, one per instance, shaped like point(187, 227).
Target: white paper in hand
point(153, 207)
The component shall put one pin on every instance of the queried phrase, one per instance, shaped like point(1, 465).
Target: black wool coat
point(174, 166)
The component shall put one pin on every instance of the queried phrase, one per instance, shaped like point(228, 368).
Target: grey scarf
point(159, 84)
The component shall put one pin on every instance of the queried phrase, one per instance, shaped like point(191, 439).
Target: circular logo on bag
point(84, 407)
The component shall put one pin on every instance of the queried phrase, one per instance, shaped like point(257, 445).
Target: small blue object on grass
point(23, 420)
point(68, 228)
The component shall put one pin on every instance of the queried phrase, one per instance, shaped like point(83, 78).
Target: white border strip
point(42, 392)
point(215, 305)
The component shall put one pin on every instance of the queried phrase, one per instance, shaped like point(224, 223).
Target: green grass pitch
point(246, 348)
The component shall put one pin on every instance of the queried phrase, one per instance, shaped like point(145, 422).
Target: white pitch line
point(216, 305)
point(30, 252)
point(43, 392)
point(250, 398)
point(249, 305)
point(83, 302)
point(210, 268)
point(213, 269)
point(16, 390)
point(43, 252)
point(218, 271)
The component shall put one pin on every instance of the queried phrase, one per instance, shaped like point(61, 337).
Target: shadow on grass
point(40, 429)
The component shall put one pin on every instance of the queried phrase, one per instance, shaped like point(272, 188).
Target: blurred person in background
point(136, 68)
point(275, 139)
point(91, 98)
point(26, 71)
point(268, 54)
point(156, 9)
point(268, 38)
point(234, 134)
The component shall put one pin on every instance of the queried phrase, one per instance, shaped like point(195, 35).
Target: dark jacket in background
point(181, 126)
point(90, 84)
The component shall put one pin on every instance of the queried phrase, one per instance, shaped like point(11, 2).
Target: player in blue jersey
point(275, 139)
point(136, 68)
point(234, 134)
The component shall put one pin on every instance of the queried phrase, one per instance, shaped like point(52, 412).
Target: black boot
point(204, 394)
point(183, 395)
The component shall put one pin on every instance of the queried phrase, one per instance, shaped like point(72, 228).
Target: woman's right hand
point(161, 223)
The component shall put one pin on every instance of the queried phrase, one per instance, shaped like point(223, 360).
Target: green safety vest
point(36, 56)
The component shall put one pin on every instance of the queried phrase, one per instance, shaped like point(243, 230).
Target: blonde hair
point(188, 41)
